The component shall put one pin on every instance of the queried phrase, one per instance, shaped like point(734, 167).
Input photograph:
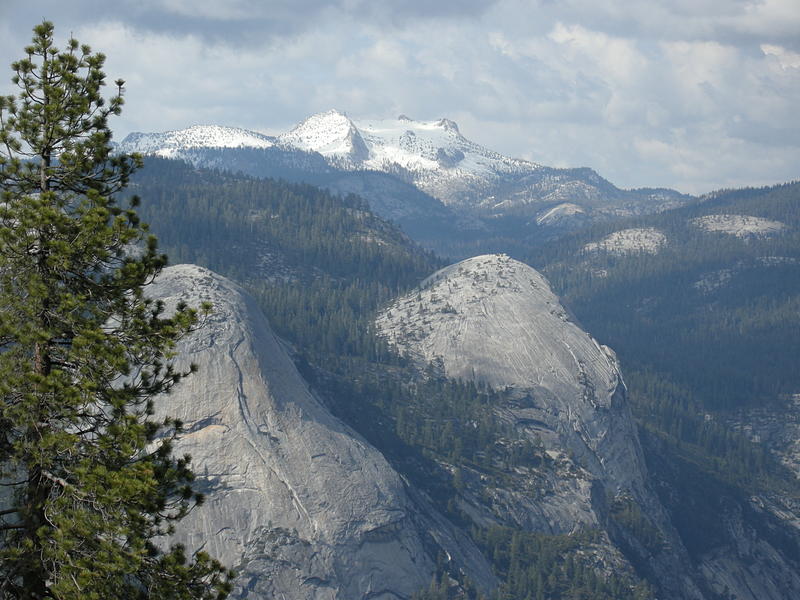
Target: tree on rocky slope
point(88, 479)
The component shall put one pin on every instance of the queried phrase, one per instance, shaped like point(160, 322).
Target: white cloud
point(786, 58)
point(769, 18)
point(618, 58)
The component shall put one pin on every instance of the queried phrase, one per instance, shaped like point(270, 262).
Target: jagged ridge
point(435, 157)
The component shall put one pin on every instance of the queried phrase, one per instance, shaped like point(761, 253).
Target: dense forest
point(726, 302)
point(707, 330)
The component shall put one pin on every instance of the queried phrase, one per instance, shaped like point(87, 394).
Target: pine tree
point(89, 482)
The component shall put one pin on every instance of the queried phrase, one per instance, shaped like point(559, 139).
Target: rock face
point(751, 566)
point(495, 320)
point(297, 503)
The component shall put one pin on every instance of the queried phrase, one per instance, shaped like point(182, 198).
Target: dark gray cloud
point(239, 22)
point(735, 22)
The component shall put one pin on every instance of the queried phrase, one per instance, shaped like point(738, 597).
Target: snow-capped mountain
point(173, 144)
point(439, 160)
point(418, 146)
point(477, 184)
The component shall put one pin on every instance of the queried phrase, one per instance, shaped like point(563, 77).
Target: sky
point(694, 95)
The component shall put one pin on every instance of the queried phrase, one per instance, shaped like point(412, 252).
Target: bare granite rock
point(494, 320)
point(297, 503)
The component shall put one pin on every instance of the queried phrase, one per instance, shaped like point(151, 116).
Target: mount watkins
point(494, 320)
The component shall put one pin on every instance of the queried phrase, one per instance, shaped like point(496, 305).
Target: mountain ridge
point(436, 158)
point(171, 143)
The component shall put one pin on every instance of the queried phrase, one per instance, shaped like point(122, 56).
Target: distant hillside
point(308, 255)
point(702, 305)
point(261, 228)
point(716, 284)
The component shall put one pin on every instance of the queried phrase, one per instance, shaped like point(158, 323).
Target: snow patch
point(742, 226)
point(630, 241)
point(559, 214)
point(170, 143)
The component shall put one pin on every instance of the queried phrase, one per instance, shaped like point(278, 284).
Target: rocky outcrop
point(756, 554)
point(494, 320)
point(297, 503)
point(304, 508)
point(753, 564)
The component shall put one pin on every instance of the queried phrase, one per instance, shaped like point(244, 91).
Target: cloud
point(786, 58)
point(617, 58)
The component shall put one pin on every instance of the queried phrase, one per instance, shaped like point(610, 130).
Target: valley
point(636, 485)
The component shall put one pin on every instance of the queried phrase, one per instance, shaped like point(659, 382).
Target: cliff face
point(297, 503)
point(494, 320)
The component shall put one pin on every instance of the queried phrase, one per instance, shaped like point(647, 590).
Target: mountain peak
point(494, 320)
point(448, 125)
point(330, 133)
point(332, 118)
point(501, 309)
point(431, 155)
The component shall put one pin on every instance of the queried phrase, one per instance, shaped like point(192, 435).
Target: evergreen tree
point(88, 478)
